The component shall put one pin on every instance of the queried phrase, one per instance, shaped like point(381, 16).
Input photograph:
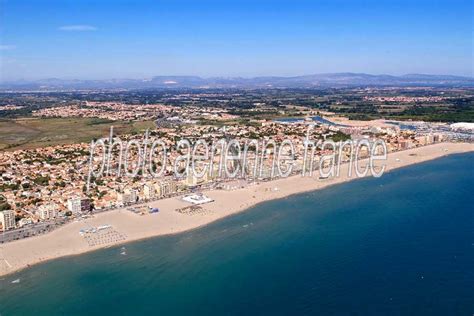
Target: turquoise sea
point(402, 244)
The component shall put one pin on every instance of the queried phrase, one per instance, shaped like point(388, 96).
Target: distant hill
point(307, 81)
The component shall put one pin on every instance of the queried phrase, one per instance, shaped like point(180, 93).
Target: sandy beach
point(356, 123)
point(67, 241)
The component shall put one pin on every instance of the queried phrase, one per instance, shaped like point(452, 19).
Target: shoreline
point(66, 241)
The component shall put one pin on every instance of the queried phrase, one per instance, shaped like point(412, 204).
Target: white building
point(48, 211)
point(168, 187)
point(25, 221)
point(128, 196)
point(78, 204)
point(149, 191)
point(7, 219)
point(468, 127)
point(197, 199)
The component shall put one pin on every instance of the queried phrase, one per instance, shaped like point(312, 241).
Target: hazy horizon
point(233, 77)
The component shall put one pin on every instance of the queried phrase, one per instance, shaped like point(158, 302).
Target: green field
point(27, 133)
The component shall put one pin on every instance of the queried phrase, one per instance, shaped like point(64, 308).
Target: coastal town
point(44, 188)
point(236, 157)
point(83, 170)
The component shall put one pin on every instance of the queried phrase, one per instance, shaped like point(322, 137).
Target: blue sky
point(139, 39)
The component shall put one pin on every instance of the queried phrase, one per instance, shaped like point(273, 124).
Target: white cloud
point(77, 28)
point(7, 47)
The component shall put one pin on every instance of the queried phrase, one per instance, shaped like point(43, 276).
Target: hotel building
point(78, 204)
point(7, 219)
point(48, 211)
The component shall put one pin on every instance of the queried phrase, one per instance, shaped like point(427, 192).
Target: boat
point(16, 281)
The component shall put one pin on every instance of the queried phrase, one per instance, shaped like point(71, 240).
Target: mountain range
point(195, 82)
